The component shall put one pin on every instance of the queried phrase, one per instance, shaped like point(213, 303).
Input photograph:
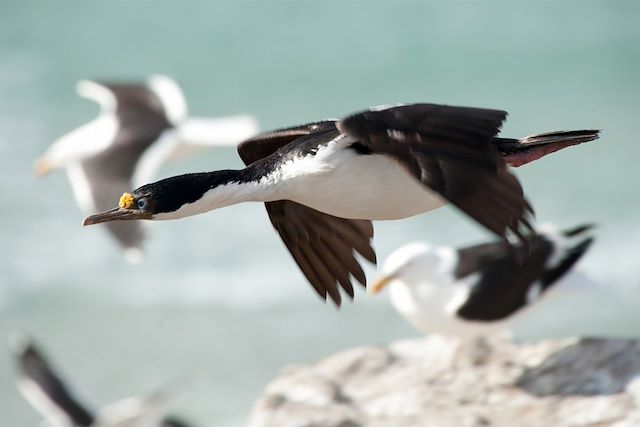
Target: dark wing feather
point(137, 106)
point(267, 143)
point(449, 149)
point(34, 368)
point(506, 274)
point(109, 175)
point(473, 258)
point(322, 245)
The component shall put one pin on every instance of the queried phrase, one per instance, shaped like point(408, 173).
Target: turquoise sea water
point(218, 297)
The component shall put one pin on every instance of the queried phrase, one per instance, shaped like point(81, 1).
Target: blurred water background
point(218, 296)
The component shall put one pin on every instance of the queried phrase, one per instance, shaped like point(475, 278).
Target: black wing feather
point(314, 239)
point(450, 150)
point(323, 246)
point(267, 143)
point(507, 273)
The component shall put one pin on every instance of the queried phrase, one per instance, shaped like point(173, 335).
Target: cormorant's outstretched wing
point(322, 245)
point(450, 150)
point(266, 143)
point(44, 389)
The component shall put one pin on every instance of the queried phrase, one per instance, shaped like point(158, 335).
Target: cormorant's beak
point(380, 283)
point(117, 214)
point(42, 167)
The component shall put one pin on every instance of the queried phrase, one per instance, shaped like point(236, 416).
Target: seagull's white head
point(411, 263)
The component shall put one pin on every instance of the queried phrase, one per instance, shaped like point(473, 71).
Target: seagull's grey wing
point(110, 172)
point(506, 275)
point(322, 245)
point(141, 120)
point(135, 101)
point(139, 111)
point(509, 276)
point(44, 389)
point(135, 104)
point(108, 175)
point(473, 258)
point(449, 149)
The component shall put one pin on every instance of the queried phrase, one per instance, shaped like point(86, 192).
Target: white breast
point(429, 308)
point(344, 183)
point(426, 292)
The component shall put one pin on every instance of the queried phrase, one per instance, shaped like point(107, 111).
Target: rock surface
point(433, 382)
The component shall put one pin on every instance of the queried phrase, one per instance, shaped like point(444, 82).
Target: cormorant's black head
point(166, 196)
point(129, 207)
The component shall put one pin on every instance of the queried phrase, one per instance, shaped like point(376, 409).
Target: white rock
point(425, 383)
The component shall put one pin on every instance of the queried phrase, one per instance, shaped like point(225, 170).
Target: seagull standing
point(140, 126)
point(473, 291)
point(324, 182)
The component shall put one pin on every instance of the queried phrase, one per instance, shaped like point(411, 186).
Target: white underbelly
point(369, 186)
point(429, 309)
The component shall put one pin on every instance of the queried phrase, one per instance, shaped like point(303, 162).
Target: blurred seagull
point(140, 126)
point(47, 393)
point(472, 291)
point(324, 182)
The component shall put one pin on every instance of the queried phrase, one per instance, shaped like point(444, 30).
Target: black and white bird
point(140, 126)
point(324, 182)
point(45, 390)
point(473, 291)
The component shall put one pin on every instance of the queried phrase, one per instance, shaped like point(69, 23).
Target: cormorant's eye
point(142, 203)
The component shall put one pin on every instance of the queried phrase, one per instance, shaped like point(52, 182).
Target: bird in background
point(46, 391)
point(140, 126)
point(478, 290)
point(324, 182)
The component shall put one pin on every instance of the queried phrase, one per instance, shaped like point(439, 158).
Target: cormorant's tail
point(518, 152)
point(564, 136)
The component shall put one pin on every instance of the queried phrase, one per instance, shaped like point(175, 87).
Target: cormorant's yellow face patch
point(126, 201)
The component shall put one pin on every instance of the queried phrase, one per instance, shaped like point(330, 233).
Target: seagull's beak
point(117, 214)
point(42, 167)
point(380, 283)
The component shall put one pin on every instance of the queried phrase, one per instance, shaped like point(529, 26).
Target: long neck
point(202, 192)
